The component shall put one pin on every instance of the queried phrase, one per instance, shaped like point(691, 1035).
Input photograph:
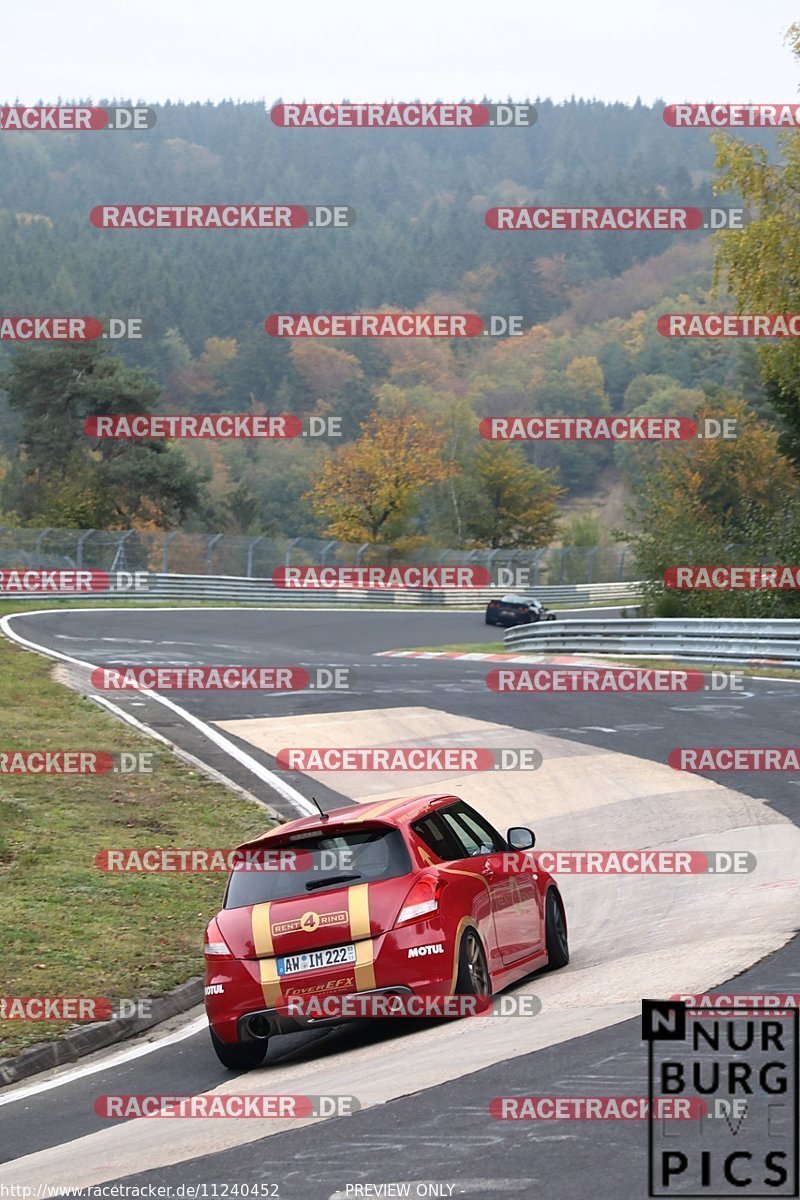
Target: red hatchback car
point(432, 901)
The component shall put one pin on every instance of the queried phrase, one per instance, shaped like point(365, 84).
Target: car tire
point(488, 622)
point(473, 972)
point(555, 927)
point(240, 1056)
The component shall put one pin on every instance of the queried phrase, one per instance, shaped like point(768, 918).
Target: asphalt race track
point(425, 1090)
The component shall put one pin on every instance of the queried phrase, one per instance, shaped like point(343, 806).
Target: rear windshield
point(328, 860)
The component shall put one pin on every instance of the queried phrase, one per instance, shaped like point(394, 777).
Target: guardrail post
point(489, 560)
point(79, 547)
point(289, 547)
point(165, 551)
point(118, 561)
point(37, 545)
point(211, 543)
point(253, 543)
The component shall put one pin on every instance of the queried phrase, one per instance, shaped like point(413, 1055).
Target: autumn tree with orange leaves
point(368, 490)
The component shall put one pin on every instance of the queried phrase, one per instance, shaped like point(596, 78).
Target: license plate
point(316, 960)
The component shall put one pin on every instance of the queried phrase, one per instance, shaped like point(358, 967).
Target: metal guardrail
point(706, 638)
point(264, 591)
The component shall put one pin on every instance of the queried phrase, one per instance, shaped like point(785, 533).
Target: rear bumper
point(269, 1021)
point(391, 964)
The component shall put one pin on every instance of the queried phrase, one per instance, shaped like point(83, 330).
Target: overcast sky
point(724, 50)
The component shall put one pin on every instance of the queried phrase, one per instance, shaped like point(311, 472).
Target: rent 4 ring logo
point(742, 1060)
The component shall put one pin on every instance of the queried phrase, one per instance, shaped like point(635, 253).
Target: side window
point(438, 837)
point(475, 834)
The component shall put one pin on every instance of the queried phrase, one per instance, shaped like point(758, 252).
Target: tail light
point(215, 945)
point(421, 901)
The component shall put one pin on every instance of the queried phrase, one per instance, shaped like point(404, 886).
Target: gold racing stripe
point(469, 874)
point(267, 966)
point(372, 810)
point(270, 982)
point(262, 934)
point(364, 966)
point(358, 913)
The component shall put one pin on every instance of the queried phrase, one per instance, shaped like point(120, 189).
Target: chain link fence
point(257, 557)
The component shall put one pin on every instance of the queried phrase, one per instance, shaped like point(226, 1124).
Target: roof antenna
point(323, 814)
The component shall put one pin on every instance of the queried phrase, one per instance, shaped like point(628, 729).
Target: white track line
point(105, 1064)
point(303, 806)
point(262, 773)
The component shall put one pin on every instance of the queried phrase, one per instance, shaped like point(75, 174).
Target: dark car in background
point(517, 610)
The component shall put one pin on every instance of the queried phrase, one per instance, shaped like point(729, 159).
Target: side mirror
point(520, 838)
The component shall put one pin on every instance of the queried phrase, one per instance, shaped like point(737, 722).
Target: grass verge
point(69, 929)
